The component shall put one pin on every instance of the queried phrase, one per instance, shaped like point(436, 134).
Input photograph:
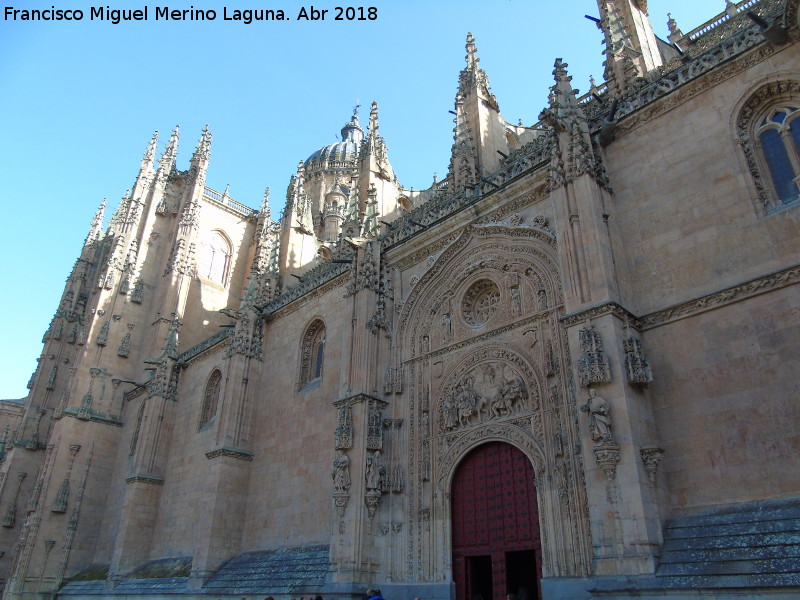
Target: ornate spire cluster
point(96, 228)
point(203, 150)
point(472, 77)
point(166, 164)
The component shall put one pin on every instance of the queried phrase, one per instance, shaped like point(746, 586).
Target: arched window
point(778, 136)
point(312, 353)
point(215, 258)
point(211, 397)
point(768, 131)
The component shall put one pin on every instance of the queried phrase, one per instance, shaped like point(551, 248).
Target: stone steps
point(751, 545)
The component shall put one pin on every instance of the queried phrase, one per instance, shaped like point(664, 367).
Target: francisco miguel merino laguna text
point(165, 13)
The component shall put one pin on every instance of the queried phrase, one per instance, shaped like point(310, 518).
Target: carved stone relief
point(481, 393)
point(593, 363)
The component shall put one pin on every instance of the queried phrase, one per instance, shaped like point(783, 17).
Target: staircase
point(754, 545)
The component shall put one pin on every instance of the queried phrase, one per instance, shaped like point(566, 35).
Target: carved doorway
point(495, 527)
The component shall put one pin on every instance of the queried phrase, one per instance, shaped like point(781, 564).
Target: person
point(373, 594)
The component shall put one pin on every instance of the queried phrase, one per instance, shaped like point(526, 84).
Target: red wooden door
point(495, 525)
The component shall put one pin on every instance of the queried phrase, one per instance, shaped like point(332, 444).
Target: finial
point(471, 58)
point(150, 153)
point(96, 228)
point(167, 161)
point(373, 120)
point(355, 108)
point(203, 145)
point(671, 23)
point(227, 192)
point(265, 204)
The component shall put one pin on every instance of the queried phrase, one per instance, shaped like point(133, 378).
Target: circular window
point(480, 302)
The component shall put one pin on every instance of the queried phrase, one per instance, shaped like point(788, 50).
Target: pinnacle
point(472, 56)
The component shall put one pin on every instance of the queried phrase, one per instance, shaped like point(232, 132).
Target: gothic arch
point(312, 353)
point(216, 255)
point(776, 91)
point(524, 257)
point(500, 432)
point(211, 396)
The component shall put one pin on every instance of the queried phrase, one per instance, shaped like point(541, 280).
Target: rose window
point(480, 302)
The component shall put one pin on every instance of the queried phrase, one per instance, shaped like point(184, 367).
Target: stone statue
point(341, 472)
point(599, 418)
point(374, 468)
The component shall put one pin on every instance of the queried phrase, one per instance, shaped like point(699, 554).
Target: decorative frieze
point(124, 349)
point(344, 428)
point(393, 380)
point(137, 295)
point(637, 367)
point(593, 364)
point(62, 496)
point(230, 453)
point(652, 457)
point(374, 427)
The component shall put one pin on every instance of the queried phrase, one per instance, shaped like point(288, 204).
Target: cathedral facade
point(566, 370)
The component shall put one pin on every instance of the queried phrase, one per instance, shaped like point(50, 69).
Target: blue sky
point(80, 100)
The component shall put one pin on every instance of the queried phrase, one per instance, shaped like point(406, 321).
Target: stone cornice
point(754, 287)
point(357, 399)
point(595, 312)
point(230, 452)
point(193, 353)
point(288, 303)
point(145, 479)
point(73, 412)
point(728, 59)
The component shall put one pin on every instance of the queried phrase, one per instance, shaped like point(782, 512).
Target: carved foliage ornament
point(593, 363)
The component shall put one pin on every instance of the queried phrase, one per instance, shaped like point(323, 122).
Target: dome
point(345, 151)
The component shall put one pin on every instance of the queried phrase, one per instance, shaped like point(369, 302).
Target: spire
point(631, 47)
point(167, 163)
point(472, 53)
point(203, 149)
point(373, 121)
point(573, 154)
point(264, 213)
point(96, 228)
point(463, 159)
point(150, 154)
point(480, 132)
point(472, 77)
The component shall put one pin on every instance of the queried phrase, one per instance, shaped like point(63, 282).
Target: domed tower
point(327, 198)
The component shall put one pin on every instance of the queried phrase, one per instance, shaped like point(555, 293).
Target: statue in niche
point(516, 301)
point(341, 472)
point(541, 299)
point(599, 418)
point(447, 327)
point(376, 471)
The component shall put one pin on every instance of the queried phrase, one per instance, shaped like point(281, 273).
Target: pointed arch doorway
point(495, 525)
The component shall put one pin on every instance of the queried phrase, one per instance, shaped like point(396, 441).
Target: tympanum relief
point(487, 392)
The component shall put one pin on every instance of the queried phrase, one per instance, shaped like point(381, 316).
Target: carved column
point(359, 475)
